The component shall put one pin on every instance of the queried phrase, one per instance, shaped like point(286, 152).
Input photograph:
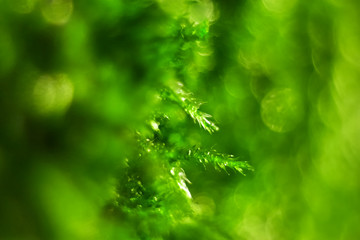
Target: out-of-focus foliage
point(98, 100)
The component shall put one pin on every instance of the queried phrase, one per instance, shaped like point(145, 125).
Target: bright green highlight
point(176, 119)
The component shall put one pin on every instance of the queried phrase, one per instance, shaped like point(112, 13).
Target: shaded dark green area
point(176, 119)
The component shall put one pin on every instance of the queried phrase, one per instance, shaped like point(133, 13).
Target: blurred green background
point(280, 78)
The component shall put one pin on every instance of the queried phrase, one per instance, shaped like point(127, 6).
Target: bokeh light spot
point(57, 12)
point(22, 6)
point(175, 8)
point(282, 110)
point(201, 11)
point(52, 95)
point(279, 6)
point(203, 205)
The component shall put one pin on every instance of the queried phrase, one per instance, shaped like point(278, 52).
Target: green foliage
point(154, 188)
point(191, 105)
point(98, 100)
point(219, 160)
